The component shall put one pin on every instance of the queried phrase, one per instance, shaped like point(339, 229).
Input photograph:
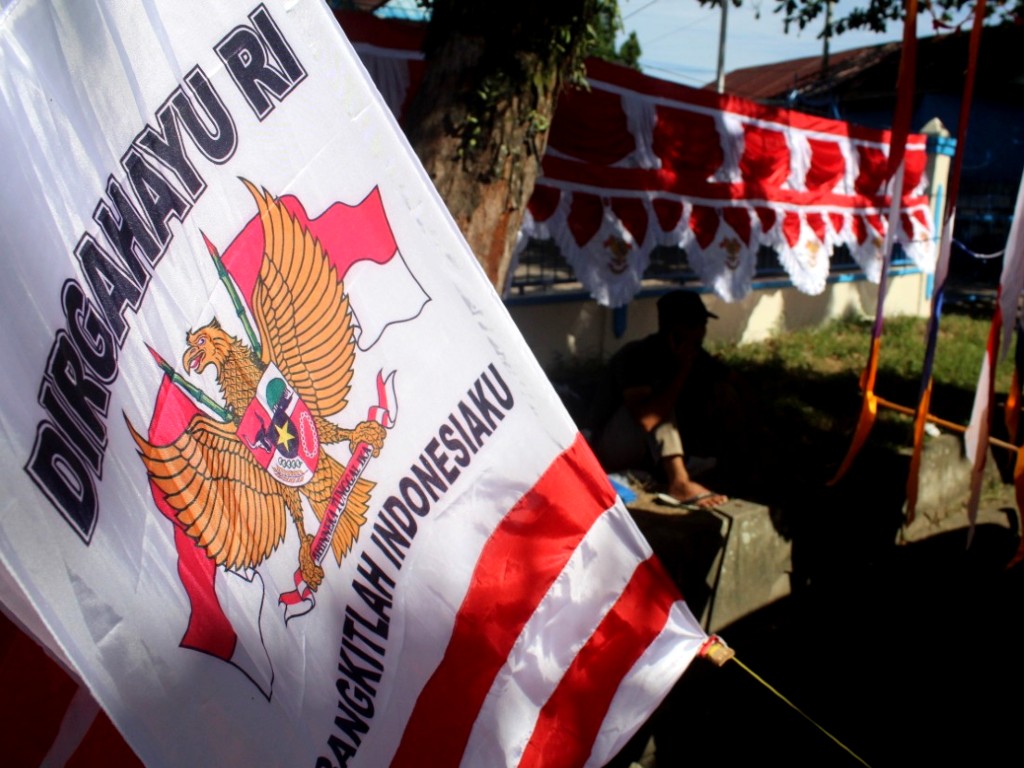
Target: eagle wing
point(302, 311)
point(226, 502)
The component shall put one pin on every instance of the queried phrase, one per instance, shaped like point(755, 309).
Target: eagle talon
point(369, 432)
point(312, 573)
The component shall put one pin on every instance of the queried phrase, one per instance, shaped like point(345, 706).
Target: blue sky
point(679, 38)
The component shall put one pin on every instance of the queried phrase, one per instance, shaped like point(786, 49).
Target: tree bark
point(479, 120)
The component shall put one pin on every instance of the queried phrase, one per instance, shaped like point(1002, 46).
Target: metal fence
point(543, 274)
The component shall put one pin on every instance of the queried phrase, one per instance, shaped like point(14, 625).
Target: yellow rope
point(799, 711)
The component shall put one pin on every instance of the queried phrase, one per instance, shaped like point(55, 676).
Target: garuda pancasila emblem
point(233, 482)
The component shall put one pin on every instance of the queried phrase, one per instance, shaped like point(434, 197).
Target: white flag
point(283, 483)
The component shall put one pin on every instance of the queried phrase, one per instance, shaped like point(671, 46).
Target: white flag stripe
point(977, 430)
point(169, 177)
point(648, 682)
point(586, 589)
point(1011, 280)
point(423, 634)
point(242, 596)
point(945, 250)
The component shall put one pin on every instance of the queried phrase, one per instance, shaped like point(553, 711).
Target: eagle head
point(207, 346)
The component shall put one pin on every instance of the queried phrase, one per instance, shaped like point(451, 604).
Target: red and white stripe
point(568, 637)
point(523, 619)
point(1011, 282)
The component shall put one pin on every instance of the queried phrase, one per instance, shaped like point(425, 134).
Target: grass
point(841, 346)
point(807, 382)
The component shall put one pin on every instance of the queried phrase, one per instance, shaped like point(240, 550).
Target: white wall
point(566, 333)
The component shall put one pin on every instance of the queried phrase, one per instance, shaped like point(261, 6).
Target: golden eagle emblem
point(289, 383)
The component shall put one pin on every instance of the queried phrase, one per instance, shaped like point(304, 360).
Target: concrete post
point(941, 147)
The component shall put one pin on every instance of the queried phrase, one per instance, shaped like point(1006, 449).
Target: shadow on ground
point(906, 653)
point(908, 658)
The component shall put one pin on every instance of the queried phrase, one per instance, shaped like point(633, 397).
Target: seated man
point(660, 393)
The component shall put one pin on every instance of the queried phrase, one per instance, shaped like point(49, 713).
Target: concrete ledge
point(727, 562)
point(944, 486)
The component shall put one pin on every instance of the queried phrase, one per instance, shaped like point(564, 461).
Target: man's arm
point(650, 407)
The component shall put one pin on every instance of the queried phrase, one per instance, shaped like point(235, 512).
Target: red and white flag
point(284, 485)
point(1004, 319)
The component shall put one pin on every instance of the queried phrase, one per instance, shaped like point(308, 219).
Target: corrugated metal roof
point(872, 70)
point(772, 82)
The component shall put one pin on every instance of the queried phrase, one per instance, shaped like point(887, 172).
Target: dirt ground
point(905, 653)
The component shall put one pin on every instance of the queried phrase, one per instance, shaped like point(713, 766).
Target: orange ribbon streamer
point(897, 151)
point(868, 411)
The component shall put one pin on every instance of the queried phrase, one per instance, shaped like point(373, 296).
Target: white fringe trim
point(611, 264)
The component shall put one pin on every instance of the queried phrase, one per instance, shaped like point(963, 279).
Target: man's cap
point(683, 307)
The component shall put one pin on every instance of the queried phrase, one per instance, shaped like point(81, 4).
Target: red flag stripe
point(649, 681)
point(520, 561)
point(564, 621)
point(570, 720)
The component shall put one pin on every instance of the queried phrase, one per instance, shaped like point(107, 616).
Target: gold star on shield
point(284, 436)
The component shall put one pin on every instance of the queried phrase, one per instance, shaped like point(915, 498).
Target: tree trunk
point(479, 120)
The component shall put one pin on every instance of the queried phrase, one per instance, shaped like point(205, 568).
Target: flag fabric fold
point(49, 717)
point(1011, 283)
point(979, 427)
point(234, 270)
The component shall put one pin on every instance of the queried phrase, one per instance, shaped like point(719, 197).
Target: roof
point(770, 82)
point(870, 72)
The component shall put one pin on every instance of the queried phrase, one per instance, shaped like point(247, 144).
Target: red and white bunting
point(636, 162)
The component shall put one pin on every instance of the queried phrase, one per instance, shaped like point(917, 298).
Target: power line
point(677, 72)
point(642, 7)
point(680, 29)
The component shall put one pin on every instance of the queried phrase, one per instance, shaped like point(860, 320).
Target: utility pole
point(721, 46)
point(826, 36)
